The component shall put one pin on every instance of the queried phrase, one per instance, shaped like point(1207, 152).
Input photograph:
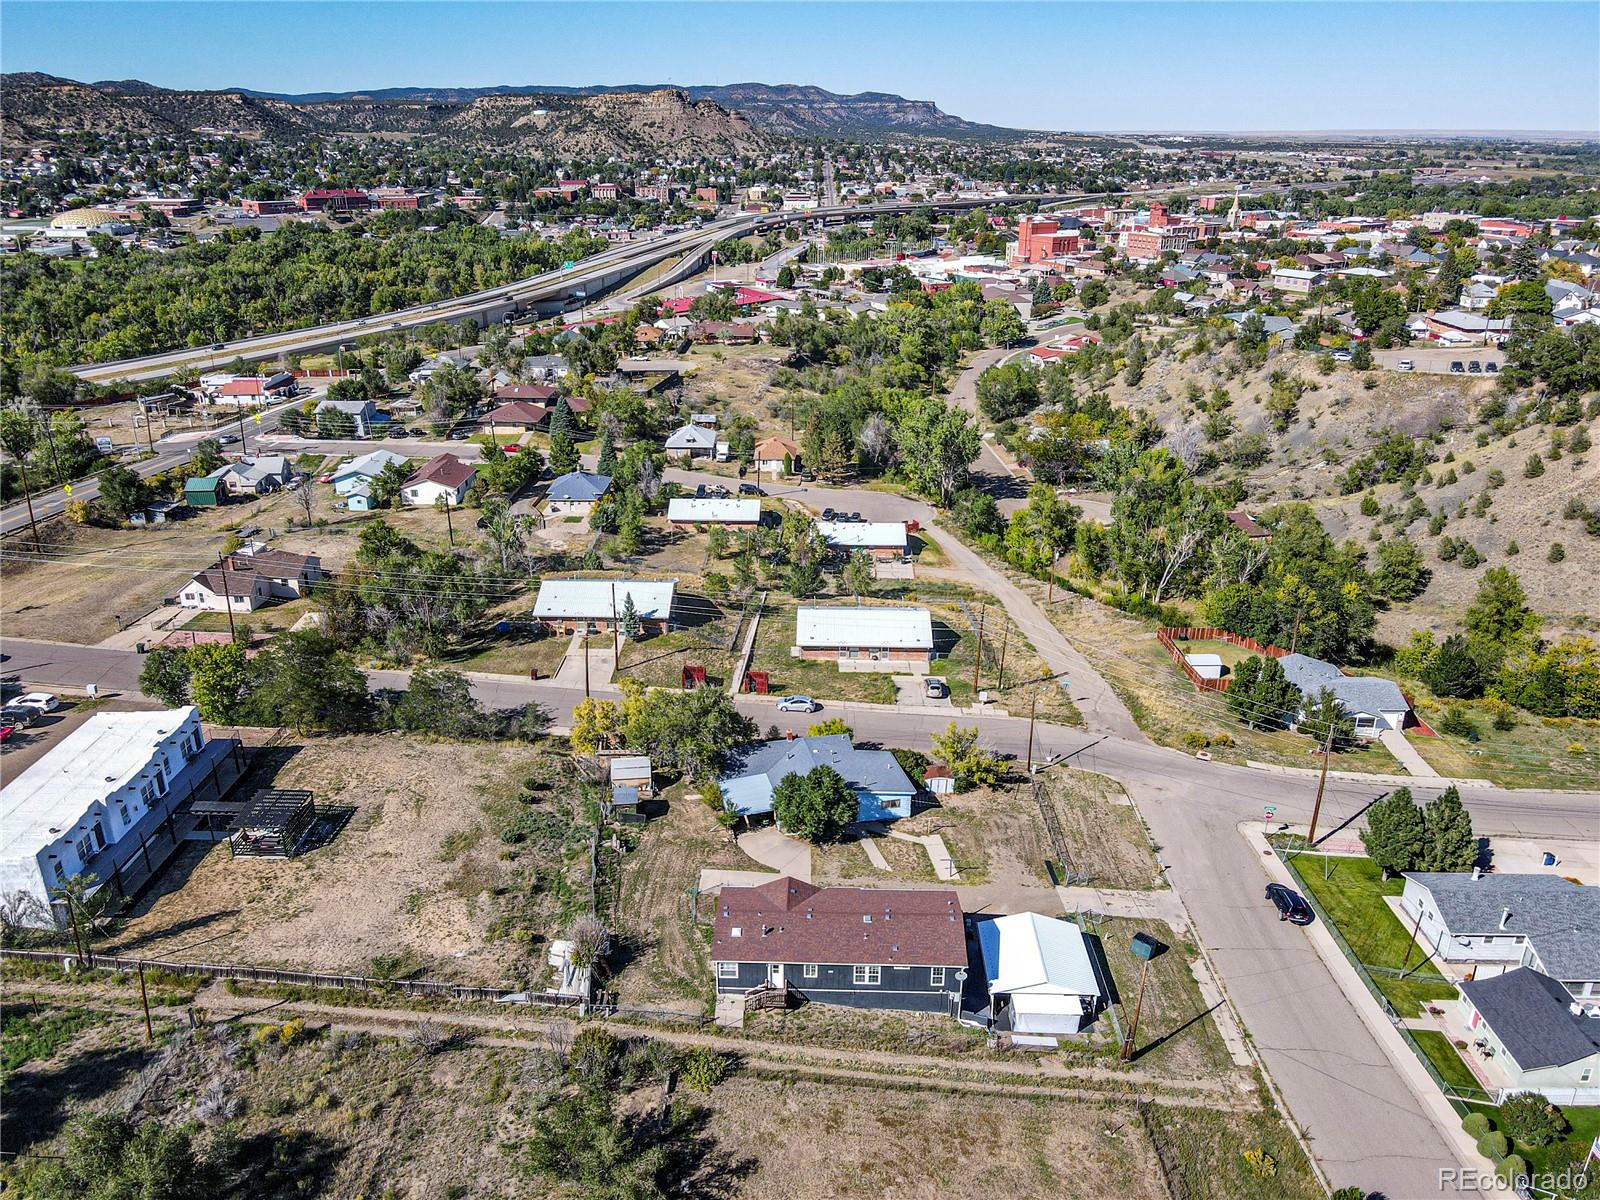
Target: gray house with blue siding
point(862, 947)
point(883, 791)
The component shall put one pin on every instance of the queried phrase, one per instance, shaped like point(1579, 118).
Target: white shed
point(1207, 666)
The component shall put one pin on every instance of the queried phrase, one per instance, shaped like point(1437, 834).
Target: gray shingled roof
point(1560, 919)
point(578, 485)
point(1358, 693)
point(1531, 1015)
point(754, 770)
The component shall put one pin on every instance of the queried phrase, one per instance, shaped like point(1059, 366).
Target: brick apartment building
point(1041, 238)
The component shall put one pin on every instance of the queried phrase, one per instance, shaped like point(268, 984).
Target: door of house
point(775, 975)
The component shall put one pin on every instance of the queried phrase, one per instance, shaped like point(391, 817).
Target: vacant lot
point(1538, 752)
point(439, 863)
point(1105, 840)
point(1352, 895)
point(342, 1116)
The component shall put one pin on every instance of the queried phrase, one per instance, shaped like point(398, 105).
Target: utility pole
point(144, 999)
point(585, 636)
point(1050, 582)
point(449, 524)
point(27, 494)
point(227, 597)
point(977, 658)
point(1322, 781)
point(1415, 929)
point(616, 634)
point(1005, 644)
point(1133, 1026)
point(1033, 706)
point(1294, 638)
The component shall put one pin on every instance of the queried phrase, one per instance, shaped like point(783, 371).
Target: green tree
point(207, 456)
point(123, 491)
point(18, 438)
point(686, 732)
point(440, 701)
point(563, 453)
point(1499, 622)
point(1394, 835)
point(306, 683)
point(970, 763)
point(165, 676)
point(817, 805)
point(1531, 1119)
point(1008, 391)
point(607, 462)
point(110, 1157)
point(857, 575)
point(937, 443)
point(221, 680)
point(1452, 670)
point(1402, 570)
point(584, 1144)
point(1323, 712)
point(1261, 695)
point(632, 626)
point(388, 483)
point(1448, 843)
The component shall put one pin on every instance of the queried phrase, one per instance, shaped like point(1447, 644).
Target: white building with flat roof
point(88, 793)
point(568, 604)
point(884, 539)
point(690, 510)
point(863, 638)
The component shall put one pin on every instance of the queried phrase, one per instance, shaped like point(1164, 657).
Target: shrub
point(1456, 723)
point(1262, 1165)
point(1493, 1145)
point(1531, 1119)
point(1195, 740)
point(1476, 1125)
point(704, 1068)
point(1513, 1167)
point(1557, 553)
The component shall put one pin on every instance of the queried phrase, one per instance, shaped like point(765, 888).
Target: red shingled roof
point(794, 922)
point(446, 469)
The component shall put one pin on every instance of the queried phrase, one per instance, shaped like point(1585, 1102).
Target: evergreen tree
point(1393, 836)
point(607, 462)
point(563, 454)
point(632, 626)
point(1524, 262)
point(1448, 841)
point(1261, 695)
point(1452, 671)
point(561, 420)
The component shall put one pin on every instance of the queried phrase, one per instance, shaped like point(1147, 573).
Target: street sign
point(1270, 809)
point(67, 488)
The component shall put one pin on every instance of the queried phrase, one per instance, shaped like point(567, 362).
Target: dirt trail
point(504, 1027)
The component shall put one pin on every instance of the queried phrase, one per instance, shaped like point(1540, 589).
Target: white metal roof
point(1042, 954)
point(689, 510)
point(90, 763)
point(862, 534)
point(882, 628)
point(593, 598)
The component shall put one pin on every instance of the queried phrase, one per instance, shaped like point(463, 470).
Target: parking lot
point(1431, 360)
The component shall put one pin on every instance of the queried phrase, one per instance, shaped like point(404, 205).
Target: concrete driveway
point(784, 854)
point(909, 693)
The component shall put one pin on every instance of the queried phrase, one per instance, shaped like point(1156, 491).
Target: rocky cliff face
point(623, 123)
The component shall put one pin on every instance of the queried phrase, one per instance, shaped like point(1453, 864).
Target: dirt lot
point(1104, 837)
point(443, 867)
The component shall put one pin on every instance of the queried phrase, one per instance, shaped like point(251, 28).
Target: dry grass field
point(443, 866)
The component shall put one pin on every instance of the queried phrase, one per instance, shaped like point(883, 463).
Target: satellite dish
point(962, 974)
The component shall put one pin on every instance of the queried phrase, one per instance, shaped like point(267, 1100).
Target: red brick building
point(1040, 238)
point(267, 208)
point(334, 200)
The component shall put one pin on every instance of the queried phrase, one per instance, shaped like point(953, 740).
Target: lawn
point(1352, 898)
point(1441, 1052)
point(1538, 752)
point(272, 618)
point(516, 652)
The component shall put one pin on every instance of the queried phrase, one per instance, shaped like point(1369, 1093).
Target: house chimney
point(1505, 917)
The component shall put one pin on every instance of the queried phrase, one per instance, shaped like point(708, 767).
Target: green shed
point(204, 491)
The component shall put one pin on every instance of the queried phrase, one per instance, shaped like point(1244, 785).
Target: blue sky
point(1090, 66)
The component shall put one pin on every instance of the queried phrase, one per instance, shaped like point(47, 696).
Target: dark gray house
point(864, 947)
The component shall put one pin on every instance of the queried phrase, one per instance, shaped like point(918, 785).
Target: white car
point(803, 704)
point(1407, 365)
point(43, 701)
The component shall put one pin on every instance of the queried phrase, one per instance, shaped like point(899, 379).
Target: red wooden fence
point(1168, 637)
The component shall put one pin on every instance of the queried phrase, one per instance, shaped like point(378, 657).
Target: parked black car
point(1457, 367)
point(751, 489)
point(1291, 906)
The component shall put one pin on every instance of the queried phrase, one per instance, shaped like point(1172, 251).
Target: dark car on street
point(1291, 906)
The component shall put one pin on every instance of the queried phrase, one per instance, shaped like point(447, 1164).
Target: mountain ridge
point(782, 109)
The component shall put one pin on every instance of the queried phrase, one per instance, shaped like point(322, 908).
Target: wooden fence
point(1168, 636)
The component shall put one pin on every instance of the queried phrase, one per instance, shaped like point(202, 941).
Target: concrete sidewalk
point(1406, 754)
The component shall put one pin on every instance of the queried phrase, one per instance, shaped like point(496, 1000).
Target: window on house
point(936, 976)
point(61, 874)
point(1488, 941)
point(811, 971)
point(122, 810)
point(868, 975)
point(727, 970)
point(147, 792)
point(1586, 1074)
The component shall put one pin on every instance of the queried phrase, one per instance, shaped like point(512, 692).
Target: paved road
point(171, 451)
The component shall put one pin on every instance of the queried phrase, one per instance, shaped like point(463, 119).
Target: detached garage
point(1041, 978)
